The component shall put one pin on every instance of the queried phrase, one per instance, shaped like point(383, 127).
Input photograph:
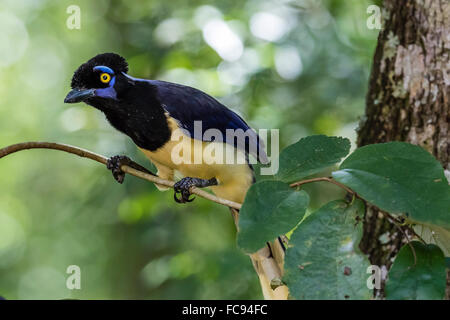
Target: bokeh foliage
point(301, 66)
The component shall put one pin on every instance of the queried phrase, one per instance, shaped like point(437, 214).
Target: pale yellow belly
point(205, 160)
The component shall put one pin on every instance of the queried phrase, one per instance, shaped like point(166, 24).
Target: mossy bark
point(408, 99)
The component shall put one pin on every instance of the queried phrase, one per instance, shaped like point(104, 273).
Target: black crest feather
point(83, 77)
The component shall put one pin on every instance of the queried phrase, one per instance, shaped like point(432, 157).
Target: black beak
point(78, 95)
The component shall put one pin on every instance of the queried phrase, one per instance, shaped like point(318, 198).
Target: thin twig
point(102, 159)
point(328, 179)
point(411, 229)
point(398, 224)
point(265, 265)
point(137, 173)
point(395, 223)
point(409, 243)
point(387, 214)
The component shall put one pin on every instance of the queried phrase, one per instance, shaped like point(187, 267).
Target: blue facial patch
point(104, 69)
point(108, 92)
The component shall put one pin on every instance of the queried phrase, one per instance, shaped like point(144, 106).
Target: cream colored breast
point(205, 160)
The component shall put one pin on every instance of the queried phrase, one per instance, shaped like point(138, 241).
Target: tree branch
point(137, 173)
point(102, 159)
point(268, 261)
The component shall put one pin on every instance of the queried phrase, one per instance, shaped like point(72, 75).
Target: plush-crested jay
point(151, 111)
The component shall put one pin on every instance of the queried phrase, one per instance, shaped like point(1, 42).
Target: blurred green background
point(300, 66)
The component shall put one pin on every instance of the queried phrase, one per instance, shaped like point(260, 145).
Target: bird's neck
point(139, 114)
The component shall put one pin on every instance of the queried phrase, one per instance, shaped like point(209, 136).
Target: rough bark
point(408, 98)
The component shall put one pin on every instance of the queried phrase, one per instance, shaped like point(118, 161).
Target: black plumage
point(138, 113)
point(85, 77)
point(139, 110)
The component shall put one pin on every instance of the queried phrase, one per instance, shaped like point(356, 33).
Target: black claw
point(176, 199)
point(185, 195)
point(114, 163)
point(183, 187)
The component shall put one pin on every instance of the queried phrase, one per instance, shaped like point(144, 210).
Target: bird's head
point(99, 81)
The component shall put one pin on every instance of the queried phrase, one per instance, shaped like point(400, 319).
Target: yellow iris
point(105, 78)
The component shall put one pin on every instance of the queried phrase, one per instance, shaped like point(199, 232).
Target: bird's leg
point(184, 185)
point(114, 163)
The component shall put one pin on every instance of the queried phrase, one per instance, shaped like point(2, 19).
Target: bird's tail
point(269, 265)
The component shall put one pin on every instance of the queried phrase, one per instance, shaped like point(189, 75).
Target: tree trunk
point(408, 99)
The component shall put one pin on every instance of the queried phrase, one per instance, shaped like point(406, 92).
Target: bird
point(157, 114)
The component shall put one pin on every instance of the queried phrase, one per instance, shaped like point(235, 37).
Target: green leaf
point(323, 260)
point(435, 235)
point(424, 281)
point(311, 155)
point(271, 208)
point(399, 178)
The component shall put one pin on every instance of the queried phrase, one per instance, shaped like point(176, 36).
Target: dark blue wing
point(186, 105)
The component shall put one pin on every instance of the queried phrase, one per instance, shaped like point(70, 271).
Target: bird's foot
point(184, 185)
point(116, 162)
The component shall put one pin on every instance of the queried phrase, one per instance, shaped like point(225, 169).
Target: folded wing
point(187, 105)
